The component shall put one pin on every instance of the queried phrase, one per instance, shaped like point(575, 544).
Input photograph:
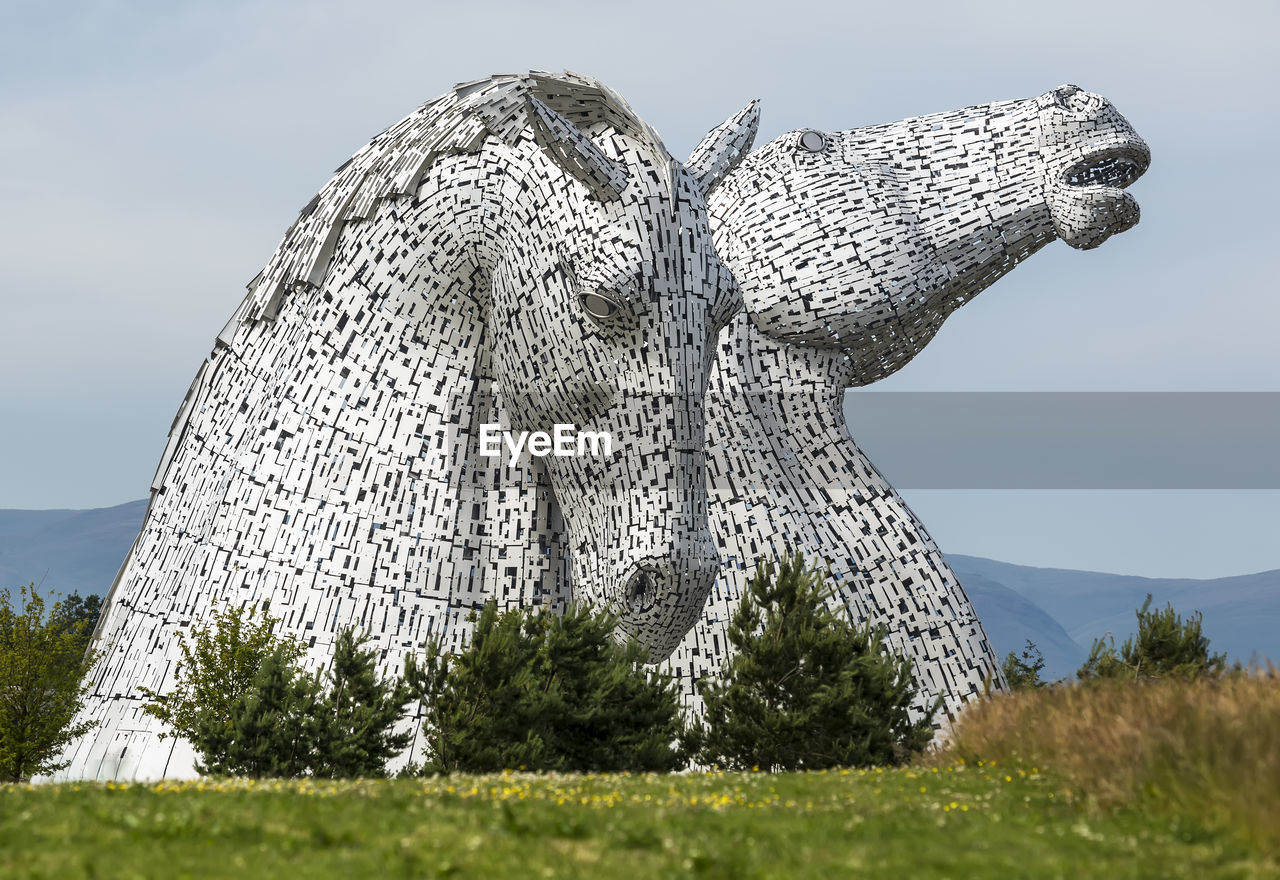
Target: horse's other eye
point(601, 304)
point(813, 141)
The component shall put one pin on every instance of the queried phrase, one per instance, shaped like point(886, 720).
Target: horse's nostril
point(639, 588)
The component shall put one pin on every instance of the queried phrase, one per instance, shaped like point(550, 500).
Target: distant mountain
point(1061, 610)
point(1241, 613)
point(1011, 619)
point(67, 551)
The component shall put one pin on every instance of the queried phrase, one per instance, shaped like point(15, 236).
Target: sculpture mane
point(391, 166)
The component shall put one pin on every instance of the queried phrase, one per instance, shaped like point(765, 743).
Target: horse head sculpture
point(866, 240)
point(521, 253)
point(603, 312)
point(852, 248)
point(668, 566)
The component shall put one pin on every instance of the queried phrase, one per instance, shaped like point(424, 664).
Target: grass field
point(957, 821)
point(1160, 779)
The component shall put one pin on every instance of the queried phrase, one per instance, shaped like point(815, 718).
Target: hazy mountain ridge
point(1240, 612)
point(1011, 619)
point(1061, 610)
point(67, 550)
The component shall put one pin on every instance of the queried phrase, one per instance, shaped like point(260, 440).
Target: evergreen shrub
point(540, 691)
point(1165, 646)
point(806, 689)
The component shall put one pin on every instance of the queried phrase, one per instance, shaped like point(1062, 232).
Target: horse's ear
point(724, 147)
point(1059, 97)
point(574, 152)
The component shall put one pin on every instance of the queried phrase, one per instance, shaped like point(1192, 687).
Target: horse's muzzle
point(1087, 197)
point(661, 598)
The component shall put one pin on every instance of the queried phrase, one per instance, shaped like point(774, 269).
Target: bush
point(1165, 645)
point(220, 661)
point(806, 689)
point(248, 709)
point(1022, 671)
point(1206, 748)
point(545, 692)
point(43, 662)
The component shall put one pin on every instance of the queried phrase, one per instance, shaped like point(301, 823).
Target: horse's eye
point(600, 304)
point(813, 141)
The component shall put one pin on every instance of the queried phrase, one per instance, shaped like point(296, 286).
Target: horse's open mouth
point(1087, 199)
point(1116, 168)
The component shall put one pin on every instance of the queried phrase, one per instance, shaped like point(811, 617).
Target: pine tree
point(288, 723)
point(79, 614)
point(264, 731)
point(612, 714)
point(547, 692)
point(352, 725)
point(1165, 645)
point(1022, 671)
point(806, 689)
point(487, 711)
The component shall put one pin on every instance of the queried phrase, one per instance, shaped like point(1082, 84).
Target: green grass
point(988, 821)
point(1207, 750)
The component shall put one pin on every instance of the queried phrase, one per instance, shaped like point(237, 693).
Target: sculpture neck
point(775, 412)
point(783, 384)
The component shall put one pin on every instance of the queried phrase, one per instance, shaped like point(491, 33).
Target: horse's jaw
point(1088, 200)
point(651, 567)
point(1091, 155)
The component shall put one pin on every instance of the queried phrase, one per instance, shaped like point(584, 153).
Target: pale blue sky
point(151, 154)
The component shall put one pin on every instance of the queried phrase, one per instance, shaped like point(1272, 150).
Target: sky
point(152, 154)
